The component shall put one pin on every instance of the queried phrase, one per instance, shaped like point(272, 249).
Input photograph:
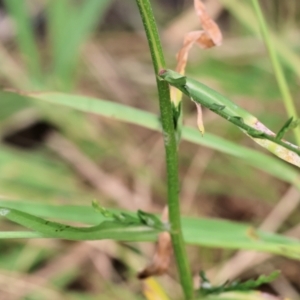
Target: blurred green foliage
point(55, 60)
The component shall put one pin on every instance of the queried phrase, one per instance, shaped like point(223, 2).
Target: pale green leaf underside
point(238, 296)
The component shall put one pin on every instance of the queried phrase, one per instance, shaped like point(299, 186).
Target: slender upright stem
point(170, 148)
point(281, 80)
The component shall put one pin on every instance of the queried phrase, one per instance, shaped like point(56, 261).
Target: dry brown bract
point(209, 37)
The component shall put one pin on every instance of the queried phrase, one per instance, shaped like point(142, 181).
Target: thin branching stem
point(170, 148)
point(281, 80)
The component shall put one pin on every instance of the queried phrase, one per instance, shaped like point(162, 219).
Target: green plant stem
point(170, 148)
point(281, 81)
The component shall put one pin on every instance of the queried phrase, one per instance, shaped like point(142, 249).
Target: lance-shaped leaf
point(249, 124)
point(142, 118)
point(197, 231)
point(207, 289)
point(121, 227)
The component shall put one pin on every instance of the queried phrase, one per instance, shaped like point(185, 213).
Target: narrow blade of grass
point(25, 36)
point(278, 71)
point(244, 14)
point(132, 115)
point(69, 26)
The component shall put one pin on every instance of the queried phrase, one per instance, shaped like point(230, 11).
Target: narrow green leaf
point(197, 231)
point(286, 126)
point(236, 286)
point(198, 92)
point(226, 234)
point(119, 229)
point(209, 97)
point(256, 295)
point(142, 118)
point(282, 82)
point(242, 11)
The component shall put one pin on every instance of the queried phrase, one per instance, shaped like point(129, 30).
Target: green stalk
point(281, 81)
point(170, 148)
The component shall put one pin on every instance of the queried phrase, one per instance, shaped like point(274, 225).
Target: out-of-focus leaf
point(10, 104)
point(243, 12)
point(25, 36)
point(69, 26)
point(47, 178)
point(139, 117)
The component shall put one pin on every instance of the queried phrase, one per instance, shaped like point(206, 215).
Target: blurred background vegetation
point(59, 156)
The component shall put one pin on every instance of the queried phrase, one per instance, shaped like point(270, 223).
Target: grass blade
point(71, 23)
point(278, 72)
point(243, 12)
point(139, 117)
